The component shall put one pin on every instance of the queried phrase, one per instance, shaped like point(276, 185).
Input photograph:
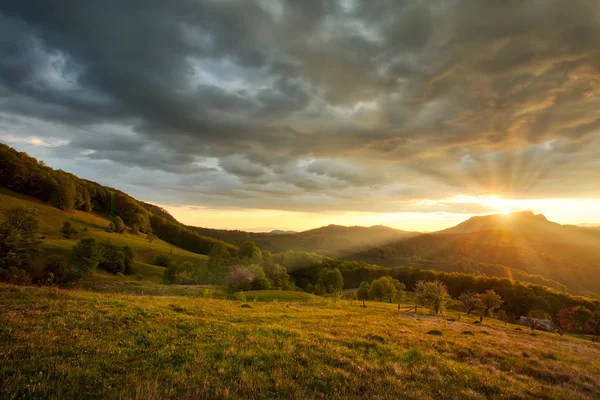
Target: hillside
point(522, 242)
point(95, 226)
point(75, 344)
point(331, 240)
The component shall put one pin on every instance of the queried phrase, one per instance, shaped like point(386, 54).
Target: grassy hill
point(93, 225)
point(78, 344)
point(331, 240)
point(528, 245)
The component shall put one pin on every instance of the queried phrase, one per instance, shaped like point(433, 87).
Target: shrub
point(240, 278)
point(86, 256)
point(59, 271)
point(113, 259)
point(68, 230)
point(118, 225)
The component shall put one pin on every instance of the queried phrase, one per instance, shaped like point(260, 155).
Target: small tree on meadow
point(86, 256)
point(490, 301)
point(470, 301)
point(19, 242)
point(68, 230)
point(118, 225)
point(386, 288)
point(363, 291)
point(150, 238)
point(432, 294)
point(593, 324)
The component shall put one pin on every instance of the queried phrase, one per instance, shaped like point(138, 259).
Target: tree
point(432, 294)
point(64, 193)
point(58, 270)
point(490, 301)
point(260, 280)
point(251, 252)
point(573, 319)
point(279, 277)
point(593, 324)
point(86, 256)
point(118, 225)
point(127, 259)
point(68, 230)
point(240, 277)
point(331, 280)
point(470, 301)
point(218, 262)
point(19, 241)
point(184, 273)
point(113, 259)
point(363, 291)
point(385, 288)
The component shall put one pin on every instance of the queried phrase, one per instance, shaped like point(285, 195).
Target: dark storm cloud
point(286, 102)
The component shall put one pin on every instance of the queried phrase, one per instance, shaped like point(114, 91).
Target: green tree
point(19, 241)
point(363, 291)
point(432, 294)
point(64, 193)
point(279, 277)
point(113, 259)
point(593, 324)
point(490, 301)
point(218, 263)
point(58, 270)
point(331, 280)
point(86, 256)
point(470, 301)
point(260, 280)
point(127, 259)
point(250, 251)
point(118, 225)
point(384, 289)
point(68, 230)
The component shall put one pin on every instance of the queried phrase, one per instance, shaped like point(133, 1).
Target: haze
point(267, 115)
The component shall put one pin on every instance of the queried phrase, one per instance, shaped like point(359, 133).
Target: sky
point(273, 114)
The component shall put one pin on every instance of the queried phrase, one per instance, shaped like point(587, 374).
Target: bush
point(240, 278)
point(59, 271)
point(117, 225)
point(185, 273)
point(68, 230)
point(86, 256)
point(16, 276)
point(163, 260)
point(113, 259)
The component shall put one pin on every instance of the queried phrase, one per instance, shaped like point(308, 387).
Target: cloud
point(389, 101)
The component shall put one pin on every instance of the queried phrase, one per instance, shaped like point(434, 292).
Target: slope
point(95, 226)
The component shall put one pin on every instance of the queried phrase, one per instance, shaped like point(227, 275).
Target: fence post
point(364, 305)
point(415, 308)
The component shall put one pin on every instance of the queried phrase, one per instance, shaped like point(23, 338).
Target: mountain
point(331, 240)
point(278, 232)
point(522, 244)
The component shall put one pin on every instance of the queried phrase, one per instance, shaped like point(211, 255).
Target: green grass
point(57, 343)
point(91, 225)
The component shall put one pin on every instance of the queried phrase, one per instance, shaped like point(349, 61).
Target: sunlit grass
point(79, 344)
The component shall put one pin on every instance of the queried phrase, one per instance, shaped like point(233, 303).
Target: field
point(57, 343)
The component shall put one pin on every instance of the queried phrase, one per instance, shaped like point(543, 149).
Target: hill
point(95, 226)
point(523, 244)
point(331, 240)
point(75, 344)
point(23, 174)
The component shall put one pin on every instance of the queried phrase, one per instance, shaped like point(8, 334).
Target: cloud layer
point(315, 105)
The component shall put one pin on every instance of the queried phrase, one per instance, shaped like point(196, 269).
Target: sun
point(506, 211)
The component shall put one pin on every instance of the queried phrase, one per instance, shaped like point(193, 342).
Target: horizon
point(415, 116)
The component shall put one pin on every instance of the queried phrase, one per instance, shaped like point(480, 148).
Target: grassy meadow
point(57, 343)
